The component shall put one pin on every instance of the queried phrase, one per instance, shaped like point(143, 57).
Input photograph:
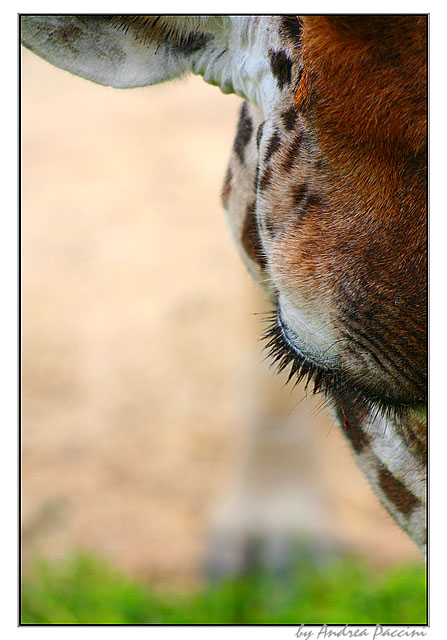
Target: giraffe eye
point(333, 384)
point(284, 355)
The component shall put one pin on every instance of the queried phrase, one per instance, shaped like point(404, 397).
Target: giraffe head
point(335, 224)
point(325, 194)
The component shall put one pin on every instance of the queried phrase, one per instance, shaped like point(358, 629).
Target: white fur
point(235, 57)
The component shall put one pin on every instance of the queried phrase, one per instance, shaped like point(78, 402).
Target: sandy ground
point(138, 330)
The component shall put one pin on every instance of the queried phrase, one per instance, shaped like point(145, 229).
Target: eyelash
point(282, 354)
point(331, 384)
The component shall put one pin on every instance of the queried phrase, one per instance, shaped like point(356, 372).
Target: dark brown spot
point(314, 200)
point(281, 66)
point(299, 193)
point(357, 437)
point(292, 152)
point(243, 133)
point(397, 492)
point(289, 118)
point(273, 146)
point(351, 421)
point(259, 134)
point(226, 189)
point(266, 179)
point(250, 237)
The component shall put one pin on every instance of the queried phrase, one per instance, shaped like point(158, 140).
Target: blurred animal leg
point(279, 507)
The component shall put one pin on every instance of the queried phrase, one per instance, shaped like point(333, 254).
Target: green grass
point(85, 589)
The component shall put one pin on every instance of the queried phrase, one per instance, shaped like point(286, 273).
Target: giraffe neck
point(392, 455)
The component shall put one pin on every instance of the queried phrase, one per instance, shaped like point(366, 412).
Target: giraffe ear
point(111, 52)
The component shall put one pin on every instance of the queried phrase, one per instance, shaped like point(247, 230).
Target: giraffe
point(325, 197)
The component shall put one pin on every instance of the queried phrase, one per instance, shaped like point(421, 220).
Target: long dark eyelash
point(331, 384)
point(282, 354)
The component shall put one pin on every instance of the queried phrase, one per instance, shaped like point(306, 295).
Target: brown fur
point(396, 492)
point(357, 244)
point(415, 435)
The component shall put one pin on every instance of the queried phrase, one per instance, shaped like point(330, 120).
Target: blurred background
point(148, 416)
